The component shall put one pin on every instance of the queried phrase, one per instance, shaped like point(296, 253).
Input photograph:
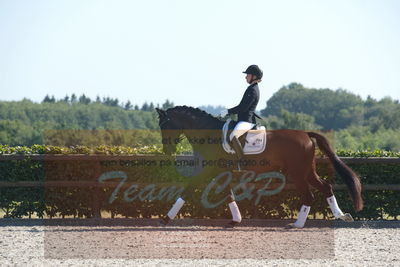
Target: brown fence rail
point(4, 157)
point(83, 184)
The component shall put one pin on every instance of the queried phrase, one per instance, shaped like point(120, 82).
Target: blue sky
point(193, 52)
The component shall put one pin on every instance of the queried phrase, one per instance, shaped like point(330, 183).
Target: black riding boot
point(235, 144)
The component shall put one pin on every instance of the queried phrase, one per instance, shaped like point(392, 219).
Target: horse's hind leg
point(307, 198)
point(326, 189)
point(320, 184)
point(299, 178)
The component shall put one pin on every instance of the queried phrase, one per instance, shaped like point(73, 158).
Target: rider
point(246, 121)
point(245, 109)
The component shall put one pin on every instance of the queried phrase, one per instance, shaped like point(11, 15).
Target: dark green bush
point(90, 200)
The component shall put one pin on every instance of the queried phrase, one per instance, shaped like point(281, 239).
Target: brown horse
point(291, 152)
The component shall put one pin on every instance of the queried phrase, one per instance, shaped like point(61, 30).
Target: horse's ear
point(161, 113)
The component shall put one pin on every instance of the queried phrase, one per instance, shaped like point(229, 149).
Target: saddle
point(253, 141)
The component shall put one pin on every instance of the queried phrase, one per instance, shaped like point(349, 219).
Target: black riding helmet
point(254, 70)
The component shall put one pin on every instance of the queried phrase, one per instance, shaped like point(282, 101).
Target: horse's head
point(182, 120)
point(171, 130)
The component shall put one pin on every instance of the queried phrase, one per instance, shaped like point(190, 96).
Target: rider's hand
point(223, 113)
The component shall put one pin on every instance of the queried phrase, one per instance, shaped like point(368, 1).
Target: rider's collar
point(253, 84)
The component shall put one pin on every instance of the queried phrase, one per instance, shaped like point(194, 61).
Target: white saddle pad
point(256, 140)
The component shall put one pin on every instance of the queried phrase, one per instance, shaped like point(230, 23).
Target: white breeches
point(240, 128)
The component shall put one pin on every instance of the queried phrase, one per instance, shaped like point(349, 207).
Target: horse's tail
point(350, 177)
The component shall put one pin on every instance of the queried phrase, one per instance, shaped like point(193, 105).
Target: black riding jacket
point(247, 105)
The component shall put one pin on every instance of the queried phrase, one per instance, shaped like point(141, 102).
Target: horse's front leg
point(189, 190)
point(173, 211)
point(233, 207)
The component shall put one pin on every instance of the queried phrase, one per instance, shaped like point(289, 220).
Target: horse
point(292, 152)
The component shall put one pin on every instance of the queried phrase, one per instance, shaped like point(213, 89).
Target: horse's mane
point(195, 112)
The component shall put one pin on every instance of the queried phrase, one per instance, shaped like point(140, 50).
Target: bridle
point(165, 121)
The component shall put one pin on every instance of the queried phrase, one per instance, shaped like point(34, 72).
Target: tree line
point(356, 123)
point(108, 101)
point(27, 123)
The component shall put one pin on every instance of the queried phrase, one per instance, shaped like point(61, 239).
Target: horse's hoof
point(164, 221)
point(231, 224)
point(292, 226)
point(346, 217)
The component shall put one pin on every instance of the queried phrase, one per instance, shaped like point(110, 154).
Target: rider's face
point(249, 78)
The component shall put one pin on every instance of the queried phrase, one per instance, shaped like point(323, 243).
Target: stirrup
point(239, 171)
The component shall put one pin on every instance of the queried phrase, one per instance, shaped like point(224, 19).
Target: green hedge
point(378, 204)
point(18, 202)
